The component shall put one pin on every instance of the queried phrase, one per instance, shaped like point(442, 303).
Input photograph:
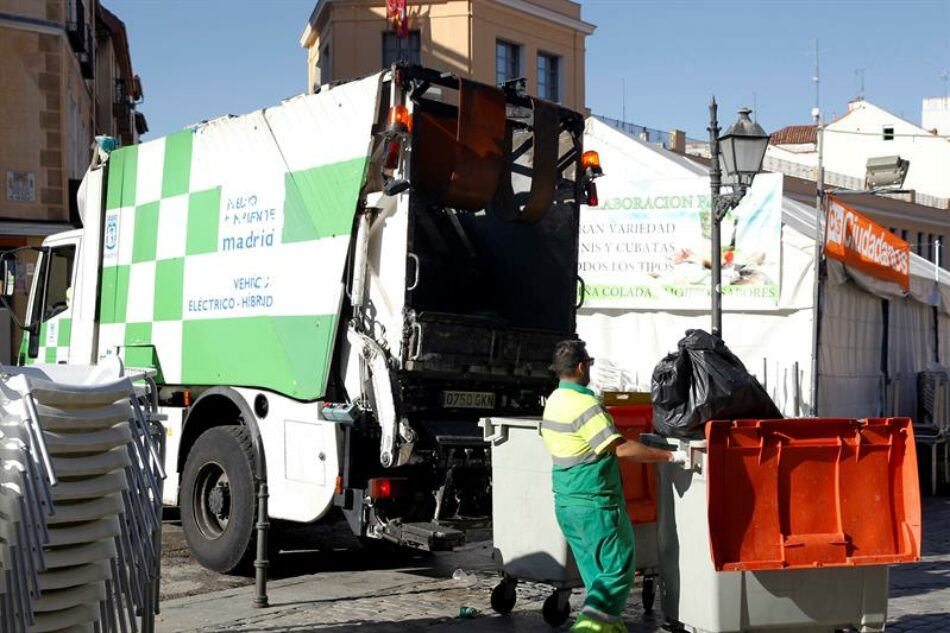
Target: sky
point(204, 58)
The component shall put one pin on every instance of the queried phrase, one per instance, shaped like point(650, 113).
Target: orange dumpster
point(639, 480)
point(793, 494)
point(633, 415)
point(787, 524)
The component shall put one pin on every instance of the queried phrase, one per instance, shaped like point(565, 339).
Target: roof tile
point(795, 135)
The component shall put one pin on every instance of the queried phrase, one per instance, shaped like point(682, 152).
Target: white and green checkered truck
point(332, 292)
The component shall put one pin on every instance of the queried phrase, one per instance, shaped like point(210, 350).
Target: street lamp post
point(715, 259)
point(740, 151)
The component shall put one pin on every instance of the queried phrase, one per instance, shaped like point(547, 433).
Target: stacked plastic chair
point(86, 541)
point(25, 505)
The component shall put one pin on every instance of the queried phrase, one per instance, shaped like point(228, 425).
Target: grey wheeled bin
point(528, 543)
point(767, 528)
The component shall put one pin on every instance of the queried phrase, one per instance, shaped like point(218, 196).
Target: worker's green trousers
point(602, 542)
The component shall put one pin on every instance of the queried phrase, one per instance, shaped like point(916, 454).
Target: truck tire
point(218, 500)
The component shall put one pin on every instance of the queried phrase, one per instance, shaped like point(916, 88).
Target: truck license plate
point(468, 400)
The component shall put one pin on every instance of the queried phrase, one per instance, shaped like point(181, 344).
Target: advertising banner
point(647, 246)
point(865, 245)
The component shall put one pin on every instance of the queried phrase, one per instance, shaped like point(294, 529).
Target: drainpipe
point(95, 75)
point(471, 31)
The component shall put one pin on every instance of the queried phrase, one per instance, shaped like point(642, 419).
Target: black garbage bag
point(705, 381)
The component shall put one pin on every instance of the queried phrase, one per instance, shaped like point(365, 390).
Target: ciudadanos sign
point(865, 245)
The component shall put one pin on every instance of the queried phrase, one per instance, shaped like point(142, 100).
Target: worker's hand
point(679, 457)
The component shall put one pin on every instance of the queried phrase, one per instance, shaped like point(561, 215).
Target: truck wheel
point(218, 504)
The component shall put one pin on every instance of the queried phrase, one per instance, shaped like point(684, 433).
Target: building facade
point(492, 41)
point(935, 115)
point(866, 131)
point(65, 76)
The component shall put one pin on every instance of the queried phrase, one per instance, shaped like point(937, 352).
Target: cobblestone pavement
point(920, 593)
point(423, 596)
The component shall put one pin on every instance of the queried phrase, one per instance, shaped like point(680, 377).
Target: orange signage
point(866, 245)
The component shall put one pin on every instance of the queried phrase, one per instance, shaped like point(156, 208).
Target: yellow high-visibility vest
point(576, 428)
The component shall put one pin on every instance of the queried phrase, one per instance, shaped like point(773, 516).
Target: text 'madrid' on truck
point(332, 292)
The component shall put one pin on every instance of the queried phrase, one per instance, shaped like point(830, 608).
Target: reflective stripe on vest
point(602, 436)
point(586, 458)
point(575, 425)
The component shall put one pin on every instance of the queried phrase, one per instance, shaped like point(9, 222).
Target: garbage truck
point(331, 293)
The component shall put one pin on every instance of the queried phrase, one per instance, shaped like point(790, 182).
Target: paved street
point(920, 594)
point(340, 591)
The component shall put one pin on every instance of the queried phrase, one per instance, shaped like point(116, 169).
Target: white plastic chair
point(101, 523)
point(932, 433)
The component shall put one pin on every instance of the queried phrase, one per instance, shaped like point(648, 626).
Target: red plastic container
point(787, 494)
point(639, 480)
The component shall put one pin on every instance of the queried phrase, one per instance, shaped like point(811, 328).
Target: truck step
point(429, 537)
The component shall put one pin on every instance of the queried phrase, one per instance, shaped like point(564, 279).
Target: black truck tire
point(218, 501)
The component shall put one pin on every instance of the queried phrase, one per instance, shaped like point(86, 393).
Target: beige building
point(65, 76)
point(493, 41)
point(63, 65)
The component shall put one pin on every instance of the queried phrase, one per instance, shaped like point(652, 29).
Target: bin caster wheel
point(672, 626)
point(556, 609)
point(648, 595)
point(503, 597)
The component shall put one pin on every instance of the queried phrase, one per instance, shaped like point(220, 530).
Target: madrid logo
point(112, 232)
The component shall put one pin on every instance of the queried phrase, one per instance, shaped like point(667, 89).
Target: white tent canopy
point(870, 334)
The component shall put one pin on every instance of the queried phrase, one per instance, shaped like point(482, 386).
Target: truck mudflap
point(429, 537)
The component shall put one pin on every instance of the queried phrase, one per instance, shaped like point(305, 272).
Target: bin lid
point(806, 493)
point(493, 429)
point(621, 398)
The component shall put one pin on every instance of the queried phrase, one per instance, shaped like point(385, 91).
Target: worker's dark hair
point(567, 355)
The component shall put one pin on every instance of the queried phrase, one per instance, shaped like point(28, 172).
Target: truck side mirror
point(33, 343)
point(8, 270)
point(9, 264)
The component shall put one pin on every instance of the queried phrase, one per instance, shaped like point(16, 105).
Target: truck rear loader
point(331, 292)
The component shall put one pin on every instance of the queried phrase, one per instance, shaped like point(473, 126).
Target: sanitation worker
point(588, 493)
